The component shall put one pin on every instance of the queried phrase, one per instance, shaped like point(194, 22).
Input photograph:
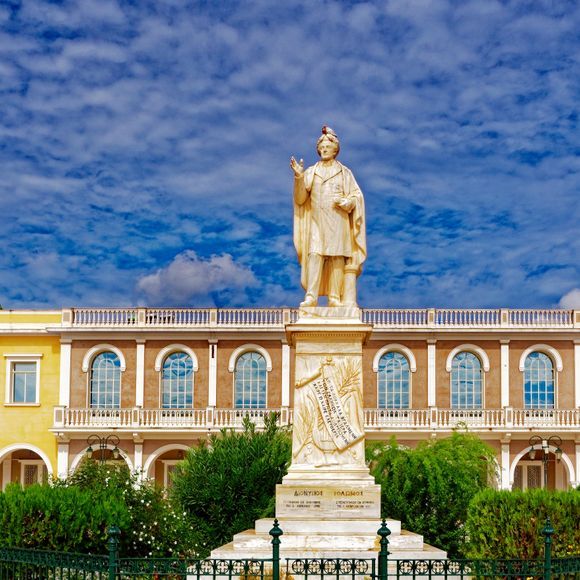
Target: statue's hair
point(328, 133)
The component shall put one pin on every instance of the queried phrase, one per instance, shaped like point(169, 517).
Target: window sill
point(22, 404)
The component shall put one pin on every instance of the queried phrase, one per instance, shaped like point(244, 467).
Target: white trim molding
point(20, 446)
point(472, 348)
point(170, 349)
point(565, 460)
point(153, 457)
point(12, 358)
point(395, 347)
point(546, 349)
point(98, 349)
point(249, 348)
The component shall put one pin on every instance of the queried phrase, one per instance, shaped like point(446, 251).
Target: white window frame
point(524, 464)
point(232, 363)
point(484, 365)
point(25, 358)
point(167, 463)
point(557, 367)
point(160, 359)
point(410, 382)
point(87, 367)
point(25, 462)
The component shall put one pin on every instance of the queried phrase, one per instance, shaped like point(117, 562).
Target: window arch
point(250, 380)
point(466, 381)
point(394, 381)
point(539, 381)
point(177, 381)
point(105, 381)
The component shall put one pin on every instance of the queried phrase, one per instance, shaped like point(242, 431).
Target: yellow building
point(29, 374)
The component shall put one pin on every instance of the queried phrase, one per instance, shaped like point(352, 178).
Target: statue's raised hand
point(298, 168)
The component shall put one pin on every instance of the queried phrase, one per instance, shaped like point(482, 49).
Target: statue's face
point(327, 149)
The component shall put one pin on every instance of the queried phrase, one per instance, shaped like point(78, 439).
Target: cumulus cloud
point(189, 280)
point(571, 299)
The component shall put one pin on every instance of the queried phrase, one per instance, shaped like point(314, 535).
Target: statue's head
point(330, 137)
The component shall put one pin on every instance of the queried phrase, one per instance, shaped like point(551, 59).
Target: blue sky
point(144, 148)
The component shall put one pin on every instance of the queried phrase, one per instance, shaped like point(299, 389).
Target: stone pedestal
point(328, 504)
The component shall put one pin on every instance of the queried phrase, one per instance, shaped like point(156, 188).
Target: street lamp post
point(103, 444)
point(545, 443)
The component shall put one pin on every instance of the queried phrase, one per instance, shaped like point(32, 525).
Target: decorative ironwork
point(470, 568)
point(336, 567)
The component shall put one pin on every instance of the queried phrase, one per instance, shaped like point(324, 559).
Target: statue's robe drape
point(321, 227)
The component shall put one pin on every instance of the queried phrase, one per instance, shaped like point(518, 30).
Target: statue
point(329, 226)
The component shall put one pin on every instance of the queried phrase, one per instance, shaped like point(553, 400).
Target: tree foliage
point(228, 482)
point(73, 515)
point(508, 524)
point(429, 488)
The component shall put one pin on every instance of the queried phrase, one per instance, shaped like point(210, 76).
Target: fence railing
point(431, 419)
point(276, 318)
point(16, 563)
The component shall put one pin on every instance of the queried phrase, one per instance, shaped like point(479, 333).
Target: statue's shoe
point(332, 302)
point(309, 301)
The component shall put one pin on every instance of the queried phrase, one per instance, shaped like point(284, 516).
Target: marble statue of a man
point(329, 225)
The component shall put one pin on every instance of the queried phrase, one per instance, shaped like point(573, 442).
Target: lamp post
point(103, 444)
point(545, 443)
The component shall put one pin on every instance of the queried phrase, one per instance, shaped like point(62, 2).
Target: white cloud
point(190, 278)
point(571, 299)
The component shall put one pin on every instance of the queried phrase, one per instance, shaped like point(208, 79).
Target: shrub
point(508, 524)
point(429, 488)
point(227, 483)
point(73, 515)
point(57, 518)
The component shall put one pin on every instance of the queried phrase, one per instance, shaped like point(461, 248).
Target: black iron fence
point(24, 564)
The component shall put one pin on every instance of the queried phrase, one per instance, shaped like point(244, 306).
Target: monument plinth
point(328, 505)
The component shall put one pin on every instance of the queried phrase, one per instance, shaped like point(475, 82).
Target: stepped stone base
point(327, 539)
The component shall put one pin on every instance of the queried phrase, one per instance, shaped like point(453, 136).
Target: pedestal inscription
point(315, 502)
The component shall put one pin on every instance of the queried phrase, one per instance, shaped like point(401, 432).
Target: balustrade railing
point(250, 316)
point(443, 318)
point(395, 317)
point(375, 419)
point(542, 318)
point(467, 318)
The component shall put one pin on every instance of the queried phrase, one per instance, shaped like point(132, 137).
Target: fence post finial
point(384, 533)
point(276, 532)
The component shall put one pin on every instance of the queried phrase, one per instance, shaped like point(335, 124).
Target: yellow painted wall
point(27, 424)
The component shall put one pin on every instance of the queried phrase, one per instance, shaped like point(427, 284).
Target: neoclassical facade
point(162, 379)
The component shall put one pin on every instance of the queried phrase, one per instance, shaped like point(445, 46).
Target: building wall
point(27, 425)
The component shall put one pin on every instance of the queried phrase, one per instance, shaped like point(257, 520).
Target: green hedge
point(508, 524)
point(429, 488)
point(73, 515)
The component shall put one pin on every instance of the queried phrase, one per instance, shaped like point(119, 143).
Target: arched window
point(177, 381)
point(394, 381)
point(466, 381)
point(250, 381)
point(105, 381)
point(538, 381)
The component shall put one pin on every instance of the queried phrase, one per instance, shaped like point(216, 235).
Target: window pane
point(394, 381)
point(466, 381)
point(106, 381)
point(538, 381)
point(250, 381)
point(24, 382)
point(177, 381)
